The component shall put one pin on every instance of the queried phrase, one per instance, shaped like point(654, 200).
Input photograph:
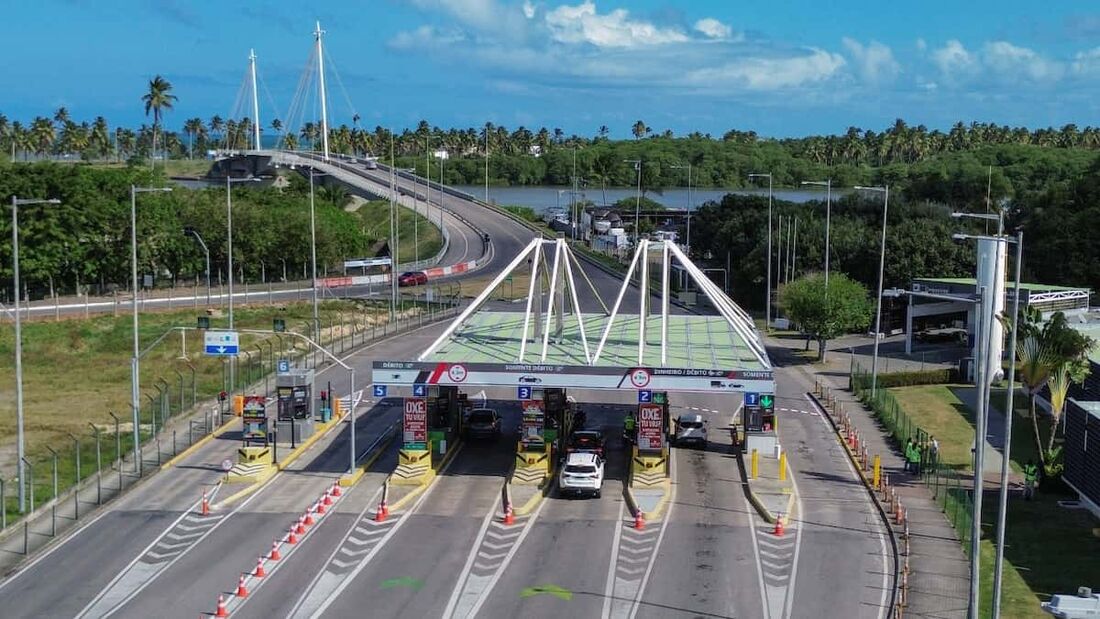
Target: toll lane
point(415, 572)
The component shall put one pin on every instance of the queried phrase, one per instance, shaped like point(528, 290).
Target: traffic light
point(767, 401)
point(324, 395)
point(223, 396)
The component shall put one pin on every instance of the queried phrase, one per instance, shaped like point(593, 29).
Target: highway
point(446, 553)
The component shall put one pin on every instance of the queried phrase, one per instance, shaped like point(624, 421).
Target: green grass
point(1048, 549)
point(375, 216)
point(76, 371)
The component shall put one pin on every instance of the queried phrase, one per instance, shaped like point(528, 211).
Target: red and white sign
point(416, 421)
point(639, 378)
point(457, 373)
point(651, 427)
point(533, 422)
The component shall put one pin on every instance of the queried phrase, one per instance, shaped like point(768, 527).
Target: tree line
point(84, 243)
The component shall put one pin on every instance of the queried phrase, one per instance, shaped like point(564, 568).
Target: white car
point(582, 474)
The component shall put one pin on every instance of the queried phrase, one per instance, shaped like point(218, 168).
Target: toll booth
point(444, 418)
point(296, 406)
point(255, 432)
point(431, 426)
point(558, 418)
point(758, 419)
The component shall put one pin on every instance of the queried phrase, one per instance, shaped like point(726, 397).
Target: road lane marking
point(477, 578)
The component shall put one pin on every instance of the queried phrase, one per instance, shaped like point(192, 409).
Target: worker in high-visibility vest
point(912, 455)
point(1031, 476)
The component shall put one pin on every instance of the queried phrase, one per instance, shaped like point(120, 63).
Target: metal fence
point(952, 490)
point(178, 412)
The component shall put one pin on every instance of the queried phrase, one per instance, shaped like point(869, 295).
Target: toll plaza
point(554, 346)
point(432, 423)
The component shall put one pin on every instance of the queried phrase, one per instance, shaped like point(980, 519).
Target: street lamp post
point(135, 367)
point(768, 304)
point(690, 202)
point(885, 191)
point(195, 233)
point(313, 255)
point(828, 185)
point(15, 204)
point(638, 202)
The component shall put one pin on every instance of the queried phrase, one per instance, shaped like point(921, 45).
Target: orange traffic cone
point(639, 520)
point(509, 517)
point(292, 535)
point(778, 526)
point(222, 610)
point(300, 529)
point(308, 520)
point(321, 506)
point(385, 507)
point(380, 513)
point(328, 498)
point(274, 556)
point(242, 592)
point(259, 573)
point(336, 489)
point(205, 504)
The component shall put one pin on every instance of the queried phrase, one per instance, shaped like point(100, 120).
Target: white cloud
point(528, 9)
point(1011, 60)
point(953, 59)
point(426, 37)
point(771, 73)
point(875, 62)
point(583, 24)
point(712, 28)
point(1087, 62)
point(921, 44)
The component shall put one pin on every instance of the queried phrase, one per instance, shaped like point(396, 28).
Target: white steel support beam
point(722, 304)
point(643, 295)
point(576, 305)
point(537, 244)
point(553, 295)
point(615, 308)
point(664, 302)
point(480, 299)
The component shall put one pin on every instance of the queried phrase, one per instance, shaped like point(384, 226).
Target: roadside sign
point(227, 465)
point(420, 391)
point(645, 396)
point(523, 393)
point(416, 423)
point(767, 400)
point(254, 419)
point(379, 391)
point(651, 427)
point(752, 399)
point(284, 366)
point(221, 343)
point(204, 322)
point(533, 424)
point(278, 325)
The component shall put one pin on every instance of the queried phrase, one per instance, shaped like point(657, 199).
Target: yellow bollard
point(878, 472)
point(755, 464)
point(782, 466)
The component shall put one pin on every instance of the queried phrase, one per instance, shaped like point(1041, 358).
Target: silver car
point(691, 428)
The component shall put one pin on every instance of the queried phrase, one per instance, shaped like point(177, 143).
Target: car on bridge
point(412, 278)
point(483, 423)
point(582, 475)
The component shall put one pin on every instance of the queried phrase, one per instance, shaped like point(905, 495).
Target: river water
point(542, 198)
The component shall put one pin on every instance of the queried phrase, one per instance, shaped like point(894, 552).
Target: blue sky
point(785, 68)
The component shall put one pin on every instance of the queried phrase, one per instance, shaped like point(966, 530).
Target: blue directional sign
point(284, 366)
point(420, 391)
point(645, 396)
point(379, 391)
point(221, 343)
point(523, 393)
point(752, 399)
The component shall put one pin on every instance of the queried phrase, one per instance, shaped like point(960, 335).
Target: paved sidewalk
point(939, 573)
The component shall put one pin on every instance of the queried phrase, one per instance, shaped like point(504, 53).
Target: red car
point(412, 278)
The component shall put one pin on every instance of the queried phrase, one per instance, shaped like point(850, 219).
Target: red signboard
point(651, 427)
point(416, 423)
point(533, 423)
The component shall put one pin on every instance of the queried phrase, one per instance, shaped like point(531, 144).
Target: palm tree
point(61, 117)
point(192, 126)
point(216, 125)
point(639, 130)
point(158, 98)
point(100, 138)
point(42, 135)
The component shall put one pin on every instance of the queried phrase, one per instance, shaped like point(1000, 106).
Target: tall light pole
point(885, 191)
point(690, 202)
point(195, 233)
point(395, 231)
point(768, 304)
point(312, 255)
point(15, 204)
point(638, 202)
point(135, 368)
point(828, 185)
point(486, 163)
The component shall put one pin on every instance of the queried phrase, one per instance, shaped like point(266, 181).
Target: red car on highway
point(412, 278)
